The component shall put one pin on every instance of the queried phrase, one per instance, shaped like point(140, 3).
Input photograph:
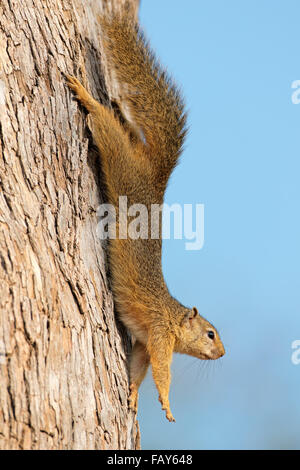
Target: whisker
point(178, 374)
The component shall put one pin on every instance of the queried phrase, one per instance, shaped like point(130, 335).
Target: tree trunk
point(63, 365)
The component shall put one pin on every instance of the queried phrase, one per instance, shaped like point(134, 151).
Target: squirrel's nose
point(219, 351)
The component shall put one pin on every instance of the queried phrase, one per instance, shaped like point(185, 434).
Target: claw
point(170, 417)
point(72, 82)
point(81, 94)
point(166, 408)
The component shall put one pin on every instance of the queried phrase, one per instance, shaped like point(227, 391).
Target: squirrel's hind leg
point(118, 158)
point(138, 366)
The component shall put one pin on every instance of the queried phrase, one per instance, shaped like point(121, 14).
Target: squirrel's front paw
point(166, 407)
point(169, 416)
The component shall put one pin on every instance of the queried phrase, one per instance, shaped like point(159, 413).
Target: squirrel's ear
point(189, 317)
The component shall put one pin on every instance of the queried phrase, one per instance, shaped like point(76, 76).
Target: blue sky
point(235, 62)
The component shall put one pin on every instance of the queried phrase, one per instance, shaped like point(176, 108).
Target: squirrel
point(137, 161)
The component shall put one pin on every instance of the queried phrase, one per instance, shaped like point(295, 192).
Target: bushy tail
point(154, 101)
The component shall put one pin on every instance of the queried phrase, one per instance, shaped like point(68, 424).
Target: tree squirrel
point(137, 162)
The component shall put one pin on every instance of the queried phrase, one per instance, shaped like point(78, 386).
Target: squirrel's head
point(198, 338)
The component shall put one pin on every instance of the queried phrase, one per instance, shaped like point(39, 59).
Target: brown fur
point(139, 167)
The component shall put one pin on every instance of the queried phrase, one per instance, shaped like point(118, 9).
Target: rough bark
point(63, 368)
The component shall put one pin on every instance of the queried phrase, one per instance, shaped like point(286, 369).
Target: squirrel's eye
point(211, 334)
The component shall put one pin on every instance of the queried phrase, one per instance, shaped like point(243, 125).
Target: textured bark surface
point(63, 365)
